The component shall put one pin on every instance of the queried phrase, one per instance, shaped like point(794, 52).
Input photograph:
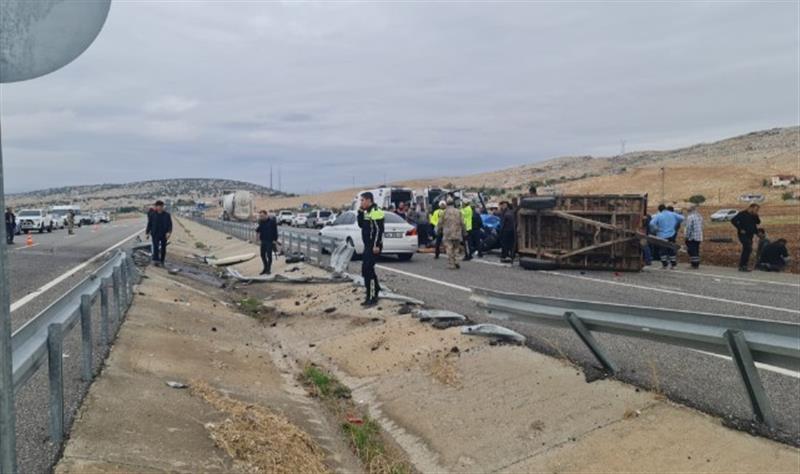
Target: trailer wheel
point(538, 202)
point(537, 264)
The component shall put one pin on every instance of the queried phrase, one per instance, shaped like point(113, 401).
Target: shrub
point(787, 196)
point(697, 199)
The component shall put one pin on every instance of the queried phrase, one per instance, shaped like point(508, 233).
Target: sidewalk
point(452, 403)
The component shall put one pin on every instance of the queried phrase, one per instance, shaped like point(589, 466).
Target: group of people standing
point(666, 224)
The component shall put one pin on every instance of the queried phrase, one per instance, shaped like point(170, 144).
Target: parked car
point(299, 220)
point(399, 237)
point(35, 219)
point(285, 217)
point(318, 219)
point(724, 215)
point(86, 219)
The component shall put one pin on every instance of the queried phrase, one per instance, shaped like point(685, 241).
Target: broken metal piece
point(224, 262)
point(340, 257)
point(172, 384)
point(493, 330)
point(438, 315)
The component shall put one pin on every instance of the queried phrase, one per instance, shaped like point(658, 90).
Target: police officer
point(436, 219)
point(267, 232)
point(71, 222)
point(370, 220)
point(11, 224)
point(159, 228)
point(466, 215)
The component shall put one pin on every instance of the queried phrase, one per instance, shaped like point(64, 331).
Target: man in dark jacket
point(267, 232)
point(508, 226)
point(370, 220)
point(774, 257)
point(746, 223)
point(159, 228)
point(11, 224)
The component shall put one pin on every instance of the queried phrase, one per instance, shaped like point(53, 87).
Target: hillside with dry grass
point(720, 171)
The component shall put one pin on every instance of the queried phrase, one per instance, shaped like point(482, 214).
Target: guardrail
point(745, 340)
point(40, 340)
point(313, 246)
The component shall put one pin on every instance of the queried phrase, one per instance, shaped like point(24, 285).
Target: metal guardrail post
point(587, 338)
point(86, 337)
point(125, 293)
point(56, 375)
point(104, 311)
point(117, 296)
point(740, 352)
point(308, 247)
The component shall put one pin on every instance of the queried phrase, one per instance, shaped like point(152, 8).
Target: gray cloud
point(331, 92)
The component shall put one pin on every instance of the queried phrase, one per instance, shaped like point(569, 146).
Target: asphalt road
point(704, 381)
point(39, 274)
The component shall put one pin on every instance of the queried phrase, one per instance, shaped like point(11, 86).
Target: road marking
point(673, 292)
point(23, 248)
point(771, 368)
point(496, 264)
point(36, 293)
point(432, 280)
point(748, 280)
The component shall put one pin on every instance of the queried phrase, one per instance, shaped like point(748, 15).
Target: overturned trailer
point(595, 232)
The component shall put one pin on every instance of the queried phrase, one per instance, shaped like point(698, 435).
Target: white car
point(724, 215)
point(35, 219)
point(299, 220)
point(399, 237)
point(285, 217)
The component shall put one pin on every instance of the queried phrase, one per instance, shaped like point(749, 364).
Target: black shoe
point(436, 256)
point(744, 269)
point(458, 266)
point(369, 303)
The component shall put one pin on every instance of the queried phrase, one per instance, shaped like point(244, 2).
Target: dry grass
point(259, 440)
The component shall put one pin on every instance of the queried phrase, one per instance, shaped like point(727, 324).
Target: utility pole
point(622, 147)
point(280, 186)
point(270, 178)
point(663, 187)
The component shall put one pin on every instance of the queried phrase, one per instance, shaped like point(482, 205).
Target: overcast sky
point(337, 92)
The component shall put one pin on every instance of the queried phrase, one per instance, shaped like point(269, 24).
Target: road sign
point(42, 36)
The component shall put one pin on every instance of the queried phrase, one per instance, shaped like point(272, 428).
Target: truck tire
point(404, 257)
point(538, 202)
point(537, 264)
point(50, 228)
point(41, 229)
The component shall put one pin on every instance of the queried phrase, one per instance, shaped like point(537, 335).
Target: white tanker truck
point(237, 206)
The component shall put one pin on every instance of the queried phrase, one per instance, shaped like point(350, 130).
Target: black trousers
point(159, 248)
point(370, 277)
point(422, 235)
point(9, 233)
point(693, 249)
point(747, 248)
point(266, 255)
point(438, 244)
point(475, 242)
point(507, 245)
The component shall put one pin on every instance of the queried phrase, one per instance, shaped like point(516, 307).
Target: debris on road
point(426, 315)
point(493, 330)
point(178, 385)
point(224, 262)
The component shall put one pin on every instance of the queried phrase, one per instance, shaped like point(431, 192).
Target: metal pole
point(104, 312)
point(117, 296)
point(8, 441)
point(86, 337)
point(55, 368)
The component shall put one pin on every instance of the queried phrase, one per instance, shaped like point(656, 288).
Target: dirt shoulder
point(444, 401)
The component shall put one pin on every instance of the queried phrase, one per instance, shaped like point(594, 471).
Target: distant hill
point(720, 171)
point(140, 192)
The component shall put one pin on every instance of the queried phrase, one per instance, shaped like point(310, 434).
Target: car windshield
point(29, 214)
point(325, 213)
point(59, 212)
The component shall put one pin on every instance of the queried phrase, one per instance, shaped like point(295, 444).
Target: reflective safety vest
point(436, 216)
point(466, 214)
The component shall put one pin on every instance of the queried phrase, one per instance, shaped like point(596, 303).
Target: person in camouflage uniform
point(452, 230)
